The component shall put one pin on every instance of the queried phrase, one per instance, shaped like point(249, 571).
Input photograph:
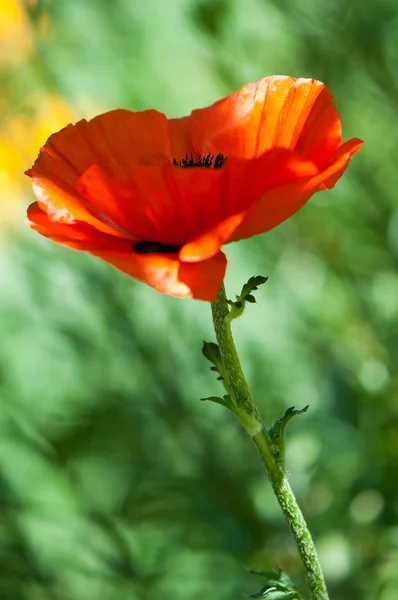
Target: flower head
point(157, 198)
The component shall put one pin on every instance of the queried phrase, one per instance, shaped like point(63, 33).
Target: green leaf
point(277, 432)
point(237, 307)
point(278, 427)
point(274, 594)
point(225, 401)
point(278, 586)
point(212, 352)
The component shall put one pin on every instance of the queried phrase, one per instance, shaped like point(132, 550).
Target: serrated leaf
point(278, 586)
point(225, 401)
point(277, 432)
point(273, 594)
point(278, 427)
point(212, 352)
point(237, 306)
point(257, 280)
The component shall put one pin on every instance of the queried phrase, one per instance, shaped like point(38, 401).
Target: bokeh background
point(116, 482)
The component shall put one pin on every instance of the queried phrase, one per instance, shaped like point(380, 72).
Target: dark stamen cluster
point(145, 247)
point(209, 161)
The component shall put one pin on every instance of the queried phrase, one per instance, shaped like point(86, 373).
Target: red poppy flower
point(158, 197)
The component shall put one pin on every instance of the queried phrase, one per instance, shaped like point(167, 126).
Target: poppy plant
point(157, 198)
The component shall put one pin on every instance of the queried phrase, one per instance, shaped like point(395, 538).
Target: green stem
point(249, 416)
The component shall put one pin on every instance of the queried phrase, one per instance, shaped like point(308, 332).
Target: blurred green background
point(116, 482)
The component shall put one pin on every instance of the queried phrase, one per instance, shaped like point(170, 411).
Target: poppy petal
point(79, 235)
point(244, 182)
point(208, 244)
point(163, 204)
point(67, 206)
point(347, 150)
point(121, 139)
point(118, 197)
point(197, 194)
point(273, 112)
point(54, 176)
point(180, 144)
point(157, 270)
point(116, 142)
point(168, 275)
point(282, 202)
point(321, 133)
point(165, 273)
point(204, 278)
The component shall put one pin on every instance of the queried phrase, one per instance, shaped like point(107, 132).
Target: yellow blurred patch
point(15, 32)
point(54, 114)
point(20, 141)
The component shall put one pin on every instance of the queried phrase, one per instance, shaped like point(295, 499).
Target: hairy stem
point(249, 416)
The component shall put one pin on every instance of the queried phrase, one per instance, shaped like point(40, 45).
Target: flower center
point(145, 247)
point(209, 161)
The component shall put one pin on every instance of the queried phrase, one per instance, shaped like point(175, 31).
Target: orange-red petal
point(243, 183)
point(281, 202)
point(209, 243)
point(114, 144)
point(164, 272)
point(180, 143)
point(278, 112)
point(77, 235)
point(121, 199)
point(165, 204)
point(204, 278)
point(121, 139)
point(67, 206)
point(117, 141)
point(168, 275)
